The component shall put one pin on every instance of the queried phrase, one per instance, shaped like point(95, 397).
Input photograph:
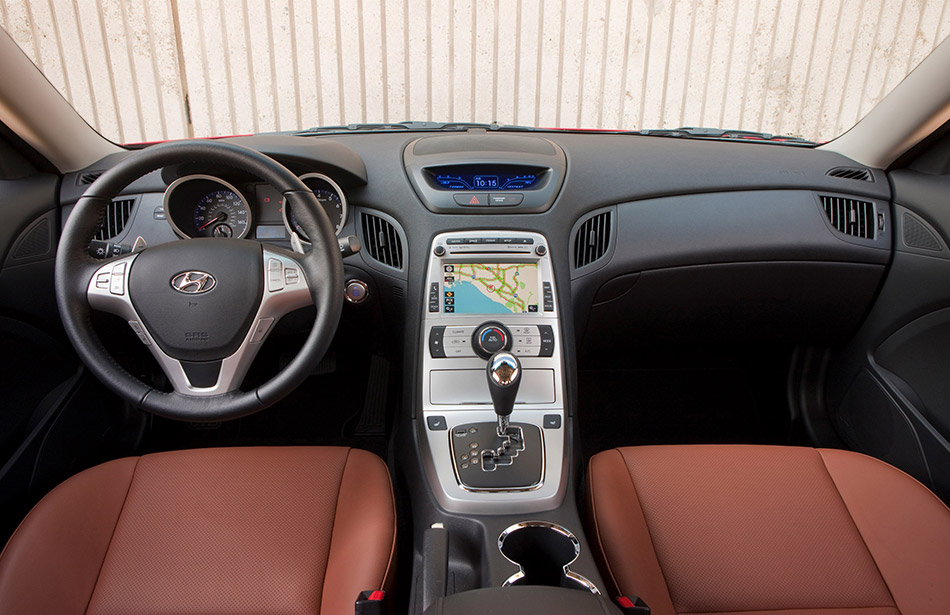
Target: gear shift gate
point(483, 462)
point(512, 443)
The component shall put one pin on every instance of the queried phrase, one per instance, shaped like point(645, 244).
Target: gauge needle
point(220, 217)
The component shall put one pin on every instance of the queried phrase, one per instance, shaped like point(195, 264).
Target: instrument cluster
point(207, 206)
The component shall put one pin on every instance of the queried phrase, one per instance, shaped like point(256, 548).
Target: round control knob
point(541, 250)
point(489, 338)
point(439, 250)
point(356, 291)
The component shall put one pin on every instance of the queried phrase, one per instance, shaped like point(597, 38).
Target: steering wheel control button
point(490, 338)
point(471, 199)
point(551, 421)
point(436, 423)
point(356, 291)
point(260, 332)
point(506, 199)
point(436, 347)
point(291, 276)
point(103, 280)
point(117, 284)
point(547, 295)
point(139, 331)
point(275, 275)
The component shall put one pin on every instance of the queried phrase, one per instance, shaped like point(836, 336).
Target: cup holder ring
point(543, 552)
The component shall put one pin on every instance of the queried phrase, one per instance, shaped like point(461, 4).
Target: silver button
point(117, 284)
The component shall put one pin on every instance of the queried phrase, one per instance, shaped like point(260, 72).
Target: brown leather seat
point(237, 530)
point(757, 529)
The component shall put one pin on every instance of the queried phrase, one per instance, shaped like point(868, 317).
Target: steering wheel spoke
point(108, 288)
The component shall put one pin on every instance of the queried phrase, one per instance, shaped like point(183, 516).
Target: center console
point(492, 292)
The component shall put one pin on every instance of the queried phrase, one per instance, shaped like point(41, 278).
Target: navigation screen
point(490, 288)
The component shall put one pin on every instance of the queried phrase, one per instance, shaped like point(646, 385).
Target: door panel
point(889, 389)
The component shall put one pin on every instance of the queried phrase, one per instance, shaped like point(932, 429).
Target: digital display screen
point(485, 177)
point(490, 288)
point(498, 181)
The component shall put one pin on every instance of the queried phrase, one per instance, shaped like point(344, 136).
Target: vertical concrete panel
point(142, 70)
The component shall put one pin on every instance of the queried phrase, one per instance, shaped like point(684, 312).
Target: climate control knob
point(489, 338)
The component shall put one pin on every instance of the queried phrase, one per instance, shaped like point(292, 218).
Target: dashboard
point(647, 240)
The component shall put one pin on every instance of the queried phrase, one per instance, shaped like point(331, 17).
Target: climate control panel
point(447, 341)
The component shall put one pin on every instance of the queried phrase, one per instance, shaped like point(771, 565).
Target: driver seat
point(232, 530)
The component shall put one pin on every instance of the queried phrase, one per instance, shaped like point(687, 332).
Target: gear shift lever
point(504, 377)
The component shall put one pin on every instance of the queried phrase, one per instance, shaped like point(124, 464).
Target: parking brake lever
point(504, 377)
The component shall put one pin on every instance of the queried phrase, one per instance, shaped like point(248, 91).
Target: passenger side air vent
point(858, 173)
point(114, 219)
point(592, 239)
point(87, 178)
point(381, 240)
point(850, 216)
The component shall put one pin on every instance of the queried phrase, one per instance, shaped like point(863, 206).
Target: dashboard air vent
point(114, 219)
point(382, 241)
point(592, 240)
point(88, 178)
point(850, 216)
point(851, 173)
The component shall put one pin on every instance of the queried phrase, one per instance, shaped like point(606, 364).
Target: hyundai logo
point(193, 282)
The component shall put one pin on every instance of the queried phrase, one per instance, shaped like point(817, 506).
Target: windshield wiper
point(722, 134)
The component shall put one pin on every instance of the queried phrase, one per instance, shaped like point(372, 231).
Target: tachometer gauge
point(206, 206)
point(221, 213)
point(330, 197)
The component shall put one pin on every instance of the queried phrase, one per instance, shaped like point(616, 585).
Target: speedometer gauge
point(221, 213)
point(330, 197)
point(206, 206)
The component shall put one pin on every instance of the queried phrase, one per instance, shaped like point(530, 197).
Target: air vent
point(858, 173)
point(114, 219)
point(88, 178)
point(850, 216)
point(382, 241)
point(592, 240)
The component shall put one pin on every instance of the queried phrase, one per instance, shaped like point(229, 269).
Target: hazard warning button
point(473, 199)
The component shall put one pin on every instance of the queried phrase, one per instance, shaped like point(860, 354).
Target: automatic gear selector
point(499, 456)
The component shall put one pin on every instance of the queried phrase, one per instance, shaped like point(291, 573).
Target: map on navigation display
point(490, 288)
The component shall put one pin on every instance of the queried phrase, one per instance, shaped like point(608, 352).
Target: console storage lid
point(526, 599)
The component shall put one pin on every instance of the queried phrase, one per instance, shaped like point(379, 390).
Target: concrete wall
point(143, 70)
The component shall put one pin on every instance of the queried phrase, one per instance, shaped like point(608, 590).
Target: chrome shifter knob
point(504, 377)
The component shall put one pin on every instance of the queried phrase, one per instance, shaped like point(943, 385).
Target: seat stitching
point(336, 512)
point(802, 610)
point(593, 514)
point(647, 524)
point(118, 519)
point(858, 530)
point(392, 550)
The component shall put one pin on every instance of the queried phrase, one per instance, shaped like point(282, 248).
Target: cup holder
point(543, 552)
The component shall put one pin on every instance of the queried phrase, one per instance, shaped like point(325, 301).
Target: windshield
point(150, 70)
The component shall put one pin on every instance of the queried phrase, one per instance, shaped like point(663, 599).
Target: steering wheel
point(201, 306)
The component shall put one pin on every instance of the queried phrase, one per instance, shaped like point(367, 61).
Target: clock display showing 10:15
point(485, 181)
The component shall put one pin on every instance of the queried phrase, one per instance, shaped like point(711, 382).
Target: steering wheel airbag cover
point(203, 326)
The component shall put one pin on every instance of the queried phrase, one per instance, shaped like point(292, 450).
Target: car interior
point(454, 368)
